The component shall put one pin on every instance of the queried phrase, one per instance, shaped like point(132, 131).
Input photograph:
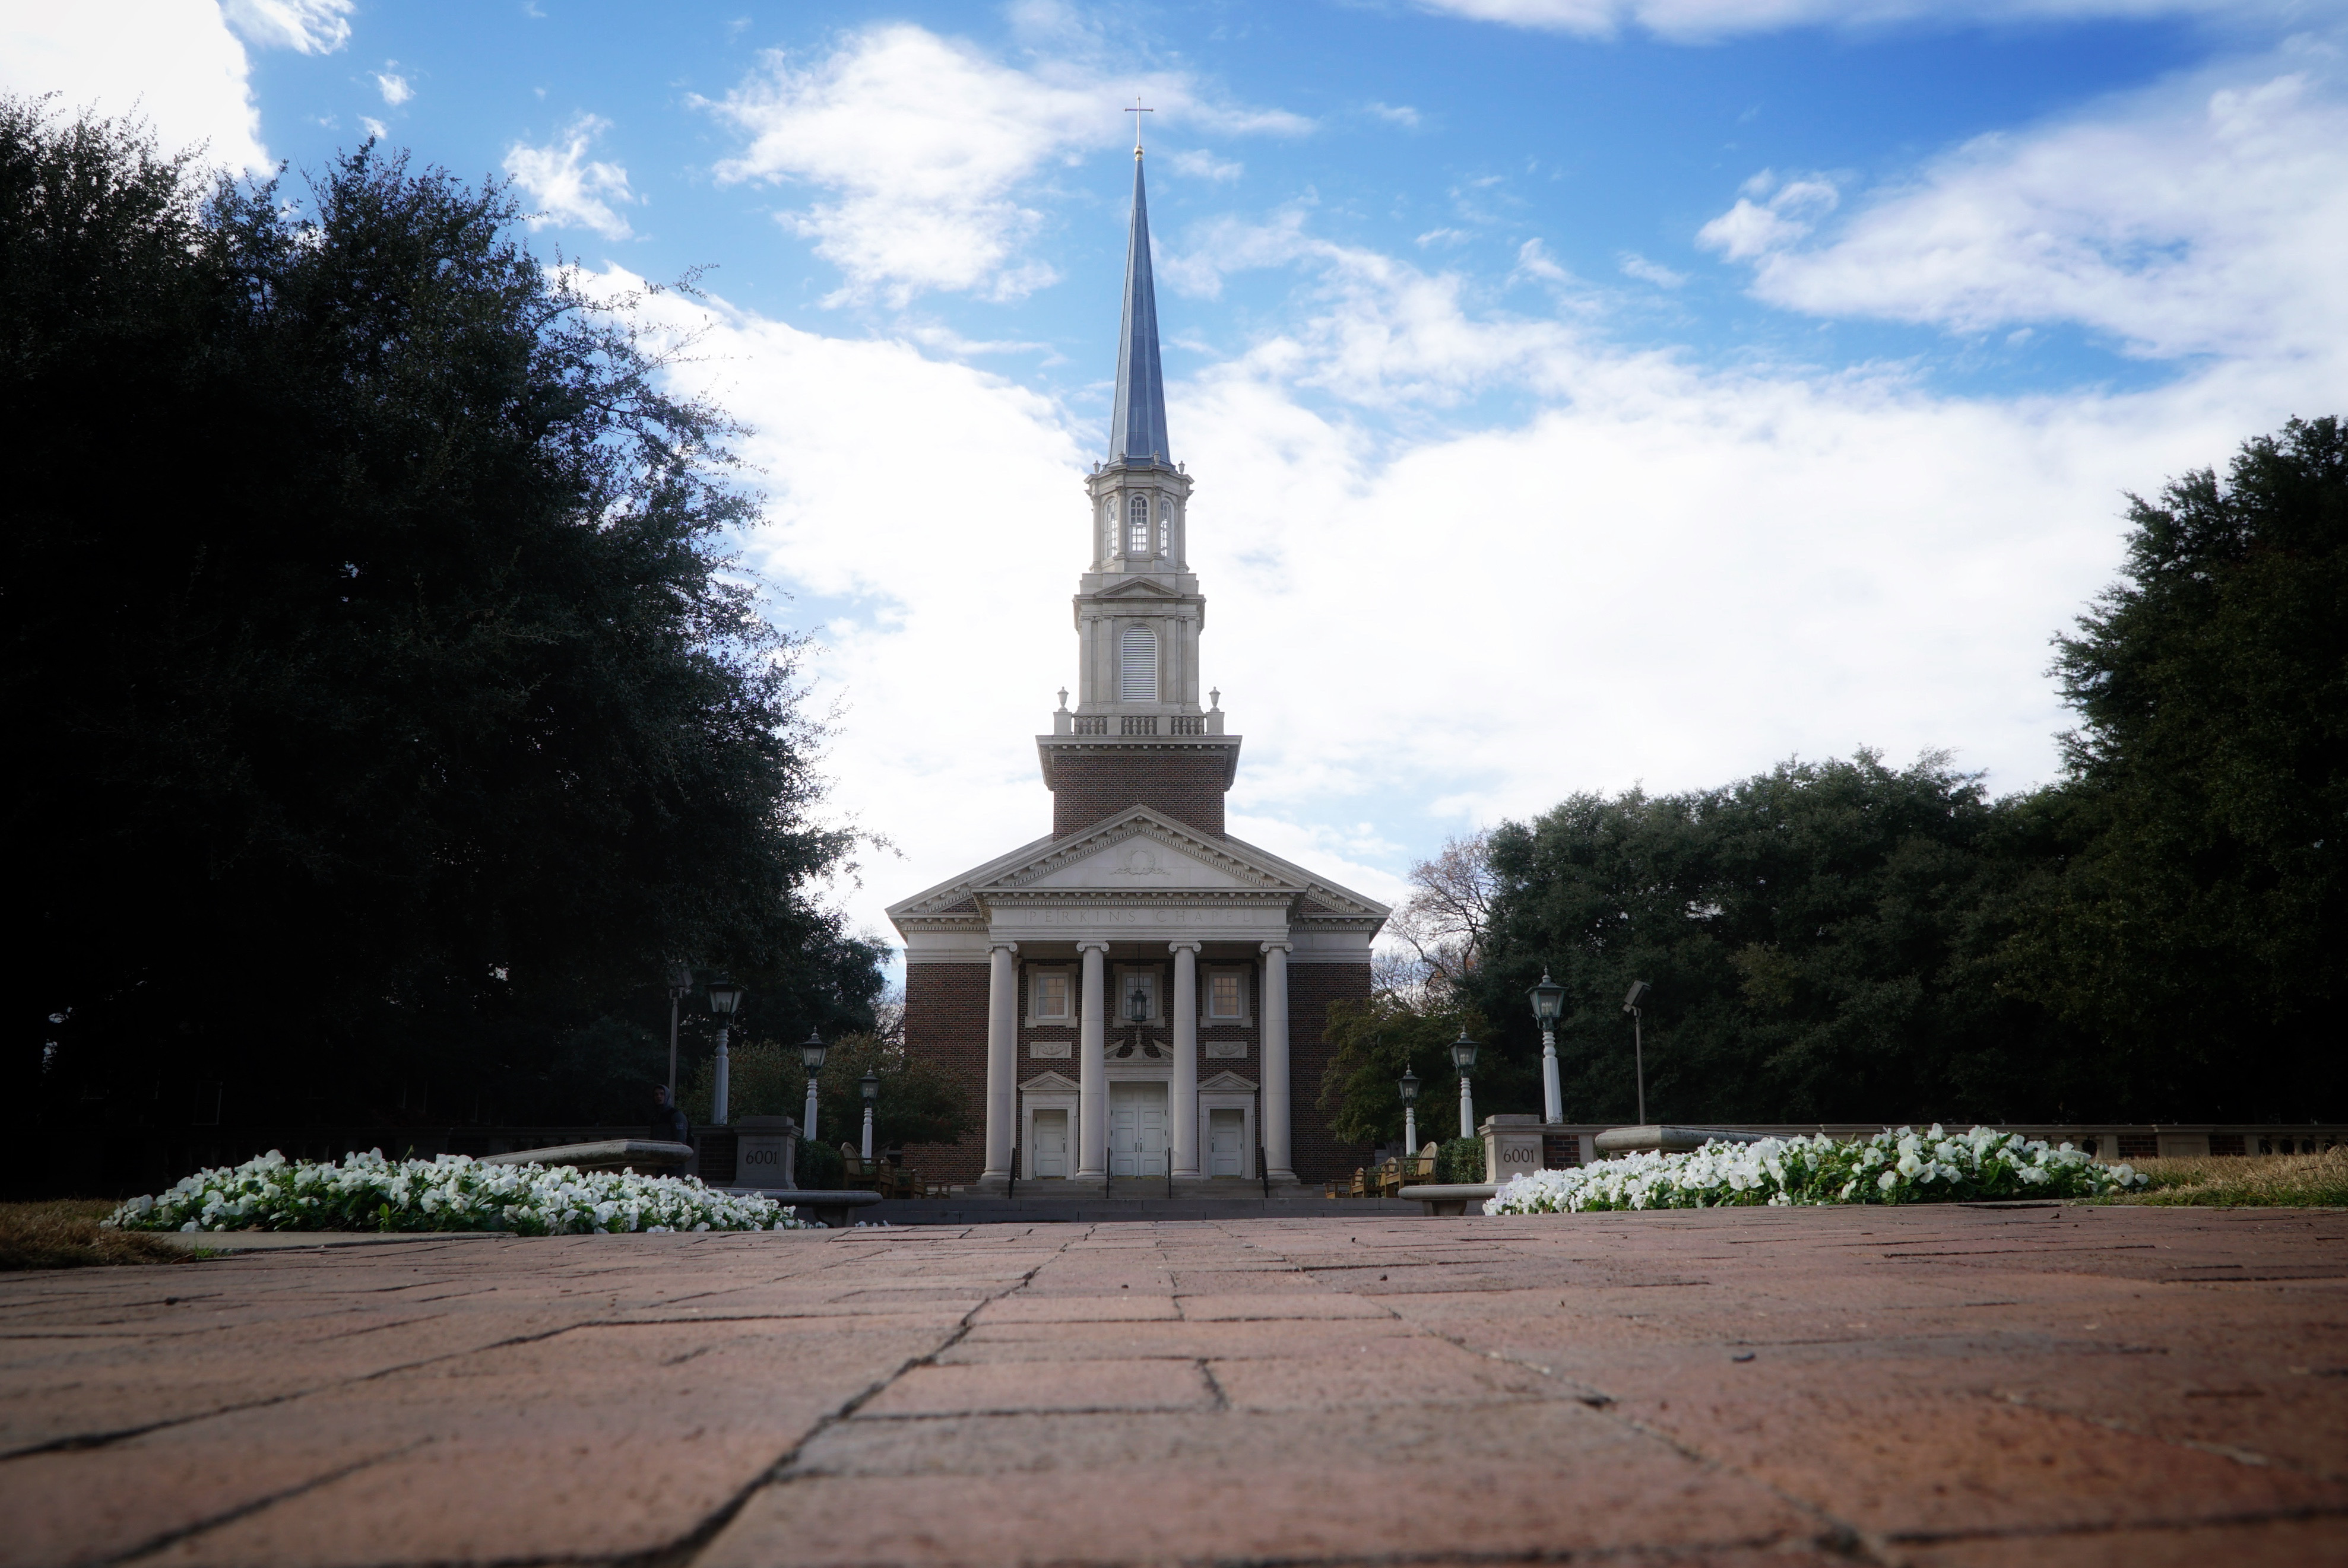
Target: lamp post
point(680, 985)
point(1463, 1056)
point(1409, 1087)
point(870, 1084)
point(1631, 1000)
point(724, 995)
point(1548, 997)
point(812, 1054)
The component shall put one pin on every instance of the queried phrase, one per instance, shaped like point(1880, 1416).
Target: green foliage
point(2205, 920)
point(820, 1168)
point(918, 1102)
point(1823, 940)
point(1375, 1042)
point(1459, 1159)
point(398, 710)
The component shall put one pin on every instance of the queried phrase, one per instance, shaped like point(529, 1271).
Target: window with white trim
point(1048, 996)
point(1227, 995)
point(1166, 529)
point(1138, 535)
point(1137, 666)
point(1128, 983)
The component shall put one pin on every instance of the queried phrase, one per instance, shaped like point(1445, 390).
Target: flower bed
point(1892, 1167)
point(368, 1193)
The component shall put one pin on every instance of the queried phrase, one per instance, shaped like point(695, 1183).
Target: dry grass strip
point(2254, 1181)
point(64, 1233)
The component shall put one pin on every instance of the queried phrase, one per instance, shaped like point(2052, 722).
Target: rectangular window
point(1051, 998)
point(1132, 983)
point(1227, 994)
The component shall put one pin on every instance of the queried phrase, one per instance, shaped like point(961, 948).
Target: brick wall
point(945, 1023)
point(1088, 785)
point(1318, 1152)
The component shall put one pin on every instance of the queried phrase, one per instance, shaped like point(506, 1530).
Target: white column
point(1092, 1070)
point(1277, 1161)
point(1002, 1059)
point(1183, 1109)
point(725, 1071)
point(1552, 1096)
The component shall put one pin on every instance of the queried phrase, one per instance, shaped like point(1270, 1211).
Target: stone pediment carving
point(1142, 852)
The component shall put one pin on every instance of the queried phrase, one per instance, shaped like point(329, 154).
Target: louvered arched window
point(1137, 666)
point(1137, 526)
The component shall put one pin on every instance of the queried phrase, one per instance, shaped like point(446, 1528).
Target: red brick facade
point(1317, 1152)
point(1090, 785)
point(945, 1022)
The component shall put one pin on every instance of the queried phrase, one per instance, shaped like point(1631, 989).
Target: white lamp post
point(1548, 997)
point(1631, 1000)
point(812, 1054)
point(724, 995)
point(680, 985)
point(1409, 1087)
point(1463, 1056)
point(870, 1084)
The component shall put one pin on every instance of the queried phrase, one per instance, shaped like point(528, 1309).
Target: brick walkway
point(1959, 1386)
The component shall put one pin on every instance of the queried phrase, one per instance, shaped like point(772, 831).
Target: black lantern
point(1136, 1006)
point(724, 995)
point(813, 1052)
point(1548, 997)
point(1409, 1087)
point(1635, 995)
point(870, 1084)
point(1463, 1053)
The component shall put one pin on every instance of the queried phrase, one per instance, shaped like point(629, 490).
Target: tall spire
point(1137, 431)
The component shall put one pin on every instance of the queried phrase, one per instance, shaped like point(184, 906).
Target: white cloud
point(394, 89)
point(1785, 213)
point(375, 127)
point(926, 146)
point(177, 64)
point(1396, 114)
point(568, 187)
point(1700, 20)
point(2207, 216)
point(1201, 165)
point(1634, 265)
point(307, 27)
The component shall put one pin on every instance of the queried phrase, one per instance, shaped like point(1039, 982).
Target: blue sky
point(1581, 392)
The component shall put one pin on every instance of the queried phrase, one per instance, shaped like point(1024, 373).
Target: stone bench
point(1667, 1140)
point(638, 1154)
point(1448, 1197)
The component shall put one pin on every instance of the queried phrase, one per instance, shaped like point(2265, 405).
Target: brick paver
point(1958, 1387)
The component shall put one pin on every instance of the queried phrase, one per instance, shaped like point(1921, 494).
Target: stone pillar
point(1002, 1060)
point(1278, 1163)
point(1182, 1099)
point(1092, 1068)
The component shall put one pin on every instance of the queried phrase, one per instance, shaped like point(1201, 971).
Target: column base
point(990, 1184)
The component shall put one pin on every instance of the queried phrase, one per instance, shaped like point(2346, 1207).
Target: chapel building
point(1138, 996)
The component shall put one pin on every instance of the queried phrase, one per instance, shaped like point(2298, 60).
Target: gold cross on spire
point(1137, 110)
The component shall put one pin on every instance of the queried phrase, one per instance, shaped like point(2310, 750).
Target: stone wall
point(1186, 784)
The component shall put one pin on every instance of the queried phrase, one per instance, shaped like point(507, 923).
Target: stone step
point(1095, 1210)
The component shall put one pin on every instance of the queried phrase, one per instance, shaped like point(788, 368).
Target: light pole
point(680, 985)
point(1463, 1056)
point(724, 995)
point(1631, 1000)
point(1548, 997)
point(870, 1084)
point(812, 1054)
point(1409, 1087)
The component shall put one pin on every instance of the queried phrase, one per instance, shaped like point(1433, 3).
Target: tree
point(2202, 926)
point(392, 708)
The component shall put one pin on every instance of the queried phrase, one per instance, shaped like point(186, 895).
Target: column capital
point(1281, 947)
point(995, 946)
point(1179, 946)
point(1093, 944)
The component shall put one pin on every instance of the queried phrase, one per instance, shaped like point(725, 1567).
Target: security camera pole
point(1631, 1000)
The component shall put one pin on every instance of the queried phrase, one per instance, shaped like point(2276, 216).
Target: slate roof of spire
point(1137, 431)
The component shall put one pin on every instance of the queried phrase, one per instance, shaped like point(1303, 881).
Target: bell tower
point(1142, 731)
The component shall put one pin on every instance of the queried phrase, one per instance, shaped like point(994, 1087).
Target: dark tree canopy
point(391, 710)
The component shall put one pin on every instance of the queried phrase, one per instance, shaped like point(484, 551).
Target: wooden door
point(1137, 1129)
point(1226, 1143)
point(1051, 1139)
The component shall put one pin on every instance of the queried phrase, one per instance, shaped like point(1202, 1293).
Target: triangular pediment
point(1226, 1082)
point(1139, 851)
point(1136, 588)
point(1051, 1084)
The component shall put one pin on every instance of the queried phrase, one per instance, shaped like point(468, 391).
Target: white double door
point(1137, 1129)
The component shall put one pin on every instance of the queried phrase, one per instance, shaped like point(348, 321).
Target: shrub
point(1459, 1159)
